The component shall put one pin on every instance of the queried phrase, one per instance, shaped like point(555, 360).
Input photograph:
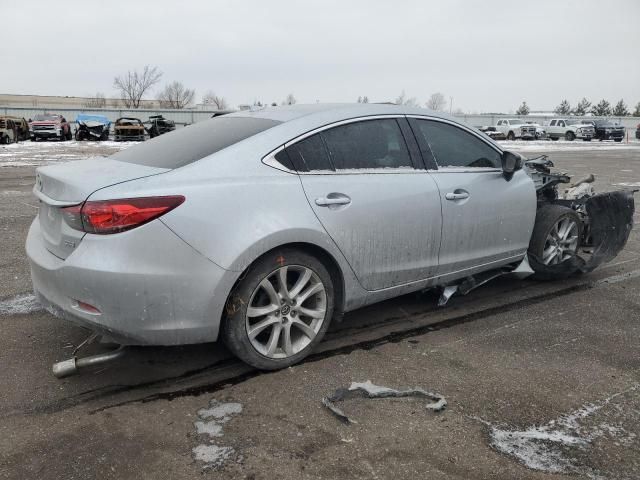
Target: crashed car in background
point(8, 131)
point(160, 125)
point(92, 127)
point(48, 126)
point(13, 129)
point(127, 129)
point(315, 210)
point(493, 133)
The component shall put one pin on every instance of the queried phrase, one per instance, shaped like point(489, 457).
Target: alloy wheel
point(286, 311)
point(562, 242)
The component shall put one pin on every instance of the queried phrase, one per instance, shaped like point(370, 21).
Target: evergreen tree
point(620, 110)
point(602, 109)
point(582, 108)
point(564, 108)
point(636, 112)
point(523, 109)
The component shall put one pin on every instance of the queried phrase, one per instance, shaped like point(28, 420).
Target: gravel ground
point(542, 379)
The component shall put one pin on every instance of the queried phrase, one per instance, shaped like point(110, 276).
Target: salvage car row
point(87, 127)
point(568, 128)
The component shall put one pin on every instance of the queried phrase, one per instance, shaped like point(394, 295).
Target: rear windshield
point(189, 144)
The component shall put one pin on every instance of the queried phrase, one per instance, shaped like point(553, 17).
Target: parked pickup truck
point(513, 128)
point(49, 126)
point(569, 129)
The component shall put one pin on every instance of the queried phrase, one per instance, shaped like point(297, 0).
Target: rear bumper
point(150, 287)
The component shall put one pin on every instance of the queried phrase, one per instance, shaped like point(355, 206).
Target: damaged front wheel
point(555, 242)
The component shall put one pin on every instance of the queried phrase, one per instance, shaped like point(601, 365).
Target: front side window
point(454, 147)
point(370, 144)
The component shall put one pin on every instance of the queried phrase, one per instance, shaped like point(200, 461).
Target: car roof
point(287, 113)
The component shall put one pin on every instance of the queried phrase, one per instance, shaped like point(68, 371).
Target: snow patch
point(20, 305)
point(210, 424)
point(548, 447)
point(212, 455)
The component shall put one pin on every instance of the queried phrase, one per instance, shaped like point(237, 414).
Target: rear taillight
point(113, 216)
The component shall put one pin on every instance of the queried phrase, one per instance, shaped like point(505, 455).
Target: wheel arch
point(323, 255)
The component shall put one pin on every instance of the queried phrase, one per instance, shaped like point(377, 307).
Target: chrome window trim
point(270, 160)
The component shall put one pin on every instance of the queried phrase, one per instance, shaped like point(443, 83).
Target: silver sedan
point(259, 227)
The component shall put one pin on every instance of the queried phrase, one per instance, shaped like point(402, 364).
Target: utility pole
point(450, 105)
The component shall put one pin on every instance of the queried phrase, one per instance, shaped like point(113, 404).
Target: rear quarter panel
point(237, 209)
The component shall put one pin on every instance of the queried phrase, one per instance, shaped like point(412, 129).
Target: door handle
point(326, 201)
point(457, 195)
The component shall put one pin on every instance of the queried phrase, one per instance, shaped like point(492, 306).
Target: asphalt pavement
point(542, 380)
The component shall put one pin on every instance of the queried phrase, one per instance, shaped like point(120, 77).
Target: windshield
point(45, 118)
point(189, 144)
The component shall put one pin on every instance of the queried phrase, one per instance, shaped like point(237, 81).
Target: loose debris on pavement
point(369, 390)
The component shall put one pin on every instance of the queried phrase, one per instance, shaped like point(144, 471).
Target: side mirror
point(511, 162)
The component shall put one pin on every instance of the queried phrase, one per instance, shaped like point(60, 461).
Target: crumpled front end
point(607, 217)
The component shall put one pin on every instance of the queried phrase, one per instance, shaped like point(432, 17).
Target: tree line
point(137, 85)
point(601, 109)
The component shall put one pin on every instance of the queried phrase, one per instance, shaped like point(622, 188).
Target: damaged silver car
point(258, 228)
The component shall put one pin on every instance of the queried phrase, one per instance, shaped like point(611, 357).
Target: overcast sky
point(487, 55)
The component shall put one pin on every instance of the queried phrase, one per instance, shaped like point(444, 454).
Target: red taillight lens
point(113, 216)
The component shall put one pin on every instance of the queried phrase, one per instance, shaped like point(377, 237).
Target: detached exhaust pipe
point(71, 366)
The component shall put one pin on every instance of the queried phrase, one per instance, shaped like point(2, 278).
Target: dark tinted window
point(453, 147)
point(189, 144)
point(367, 144)
point(309, 154)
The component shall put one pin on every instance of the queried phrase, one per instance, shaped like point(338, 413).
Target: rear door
point(486, 219)
point(372, 197)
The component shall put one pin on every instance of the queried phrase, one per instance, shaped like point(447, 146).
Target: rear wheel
point(618, 140)
point(511, 136)
point(280, 311)
point(555, 242)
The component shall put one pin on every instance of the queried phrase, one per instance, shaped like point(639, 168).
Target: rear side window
point(454, 147)
point(309, 154)
point(189, 144)
point(370, 144)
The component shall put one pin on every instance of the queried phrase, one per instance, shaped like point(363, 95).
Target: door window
point(454, 147)
point(553, 123)
point(560, 123)
point(370, 144)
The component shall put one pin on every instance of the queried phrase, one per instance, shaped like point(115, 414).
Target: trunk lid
point(59, 186)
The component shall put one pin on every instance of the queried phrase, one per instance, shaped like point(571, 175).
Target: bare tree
point(436, 102)
point(290, 100)
point(176, 95)
point(97, 101)
point(403, 100)
point(364, 99)
point(134, 85)
point(215, 101)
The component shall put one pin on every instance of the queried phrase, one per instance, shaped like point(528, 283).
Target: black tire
point(234, 326)
point(511, 136)
point(69, 135)
point(555, 139)
point(586, 139)
point(618, 140)
point(570, 136)
point(546, 219)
